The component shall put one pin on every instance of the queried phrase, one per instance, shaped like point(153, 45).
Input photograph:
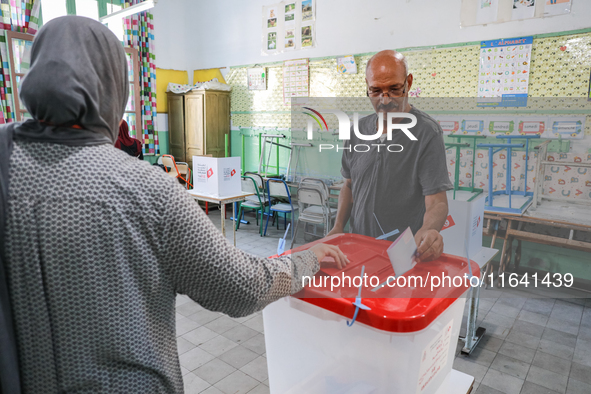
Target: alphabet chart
point(503, 77)
point(295, 79)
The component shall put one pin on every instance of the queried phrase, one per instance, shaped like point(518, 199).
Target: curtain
point(139, 34)
point(21, 16)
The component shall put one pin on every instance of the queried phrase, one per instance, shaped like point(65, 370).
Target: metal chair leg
point(240, 213)
point(295, 231)
point(267, 223)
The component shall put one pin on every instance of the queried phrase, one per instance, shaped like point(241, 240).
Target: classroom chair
point(278, 188)
point(178, 170)
point(249, 185)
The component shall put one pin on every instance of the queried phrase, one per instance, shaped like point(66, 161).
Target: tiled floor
point(535, 346)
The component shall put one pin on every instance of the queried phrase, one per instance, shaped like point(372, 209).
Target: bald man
point(389, 189)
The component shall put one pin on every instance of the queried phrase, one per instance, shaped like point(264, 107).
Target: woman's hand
point(323, 250)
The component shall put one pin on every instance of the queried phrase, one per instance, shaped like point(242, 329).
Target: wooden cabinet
point(198, 122)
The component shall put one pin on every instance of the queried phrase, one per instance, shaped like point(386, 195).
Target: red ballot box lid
point(407, 304)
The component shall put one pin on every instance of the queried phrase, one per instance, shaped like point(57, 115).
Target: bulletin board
point(560, 67)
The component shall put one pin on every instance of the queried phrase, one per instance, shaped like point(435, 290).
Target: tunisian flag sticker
point(233, 172)
point(449, 222)
point(209, 172)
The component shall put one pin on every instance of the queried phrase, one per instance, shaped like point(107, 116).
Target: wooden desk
point(547, 215)
point(223, 201)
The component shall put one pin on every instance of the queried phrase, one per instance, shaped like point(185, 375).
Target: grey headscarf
point(78, 76)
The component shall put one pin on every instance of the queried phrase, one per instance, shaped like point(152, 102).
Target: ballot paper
point(402, 252)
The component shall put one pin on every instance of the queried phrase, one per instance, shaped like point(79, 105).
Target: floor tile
point(560, 337)
point(212, 390)
point(195, 358)
point(581, 373)
point(185, 325)
point(238, 357)
point(200, 335)
point(503, 382)
point(577, 387)
point(533, 317)
point(189, 308)
point(181, 299)
point(194, 384)
point(496, 330)
point(218, 345)
point(517, 352)
point(240, 333)
point(567, 311)
point(483, 389)
point(221, 324)
point(473, 369)
point(583, 352)
point(236, 383)
point(567, 326)
point(480, 356)
point(257, 369)
point(552, 363)
point(510, 366)
point(556, 349)
point(548, 379)
point(491, 343)
point(523, 339)
point(183, 345)
point(539, 305)
point(532, 388)
point(204, 316)
point(499, 320)
point(256, 323)
point(532, 329)
point(256, 344)
point(214, 371)
point(505, 310)
point(260, 389)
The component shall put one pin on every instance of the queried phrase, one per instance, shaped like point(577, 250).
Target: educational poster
point(523, 9)
point(472, 125)
point(257, 78)
point(346, 65)
point(503, 77)
point(532, 125)
point(566, 128)
point(289, 25)
point(295, 79)
point(500, 125)
point(449, 124)
point(557, 7)
point(486, 11)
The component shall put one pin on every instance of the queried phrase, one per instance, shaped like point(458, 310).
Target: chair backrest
point(310, 196)
point(249, 185)
point(258, 178)
point(169, 162)
point(315, 183)
point(277, 188)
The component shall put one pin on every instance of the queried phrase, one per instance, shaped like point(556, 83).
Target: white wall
point(171, 35)
point(228, 32)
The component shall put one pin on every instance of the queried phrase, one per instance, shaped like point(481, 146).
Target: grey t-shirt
point(393, 185)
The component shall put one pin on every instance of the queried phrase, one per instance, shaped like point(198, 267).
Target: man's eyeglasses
point(398, 92)
point(390, 93)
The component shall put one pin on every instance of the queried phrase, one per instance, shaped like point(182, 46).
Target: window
point(19, 47)
point(133, 114)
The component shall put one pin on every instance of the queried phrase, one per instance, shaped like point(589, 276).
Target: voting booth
point(217, 177)
point(405, 342)
point(464, 223)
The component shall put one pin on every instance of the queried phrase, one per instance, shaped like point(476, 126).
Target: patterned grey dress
point(97, 245)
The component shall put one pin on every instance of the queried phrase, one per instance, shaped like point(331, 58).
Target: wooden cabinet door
point(217, 122)
point(194, 126)
point(176, 127)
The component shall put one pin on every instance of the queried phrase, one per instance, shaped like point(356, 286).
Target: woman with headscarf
point(129, 145)
point(92, 277)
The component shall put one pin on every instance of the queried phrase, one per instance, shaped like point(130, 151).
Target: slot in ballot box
point(216, 177)
point(465, 220)
point(405, 342)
